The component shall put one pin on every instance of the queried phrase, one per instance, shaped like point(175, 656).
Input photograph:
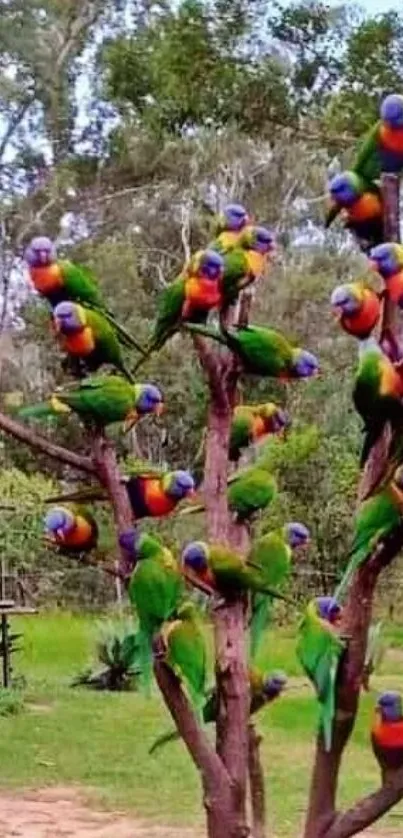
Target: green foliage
point(11, 702)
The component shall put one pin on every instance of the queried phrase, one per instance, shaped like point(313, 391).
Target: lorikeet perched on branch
point(88, 336)
point(244, 263)
point(252, 423)
point(72, 530)
point(186, 651)
point(263, 351)
point(387, 260)
point(273, 553)
point(361, 206)
point(223, 571)
point(101, 400)
point(381, 149)
point(378, 393)
point(155, 589)
point(202, 285)
point(263, 690)
point(357, 308)
point(387, 732)
point(320, 650)
point(229, 225)
point(249, 491)
point(57, 281)
point(153, 493)
point(377, 518)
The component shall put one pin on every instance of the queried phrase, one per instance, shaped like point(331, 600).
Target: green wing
point(376, 517)
point(272, 554)
point(367, 163)
point(80, 284)
point(187, 653)
point(101, 399)
point(319, 650)
point(235, 273)
point(241, 432)
point(252, 491)
point(263, 351)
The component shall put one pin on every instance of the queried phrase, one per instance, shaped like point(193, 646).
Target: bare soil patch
point(63, 813)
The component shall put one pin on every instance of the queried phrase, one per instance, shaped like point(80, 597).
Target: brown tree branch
point(215, 779)
point(366, 811)
point(107, 469)
point(34, 440)
point(256, 784)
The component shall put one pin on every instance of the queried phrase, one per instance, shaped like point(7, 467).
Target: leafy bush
point(118, 653)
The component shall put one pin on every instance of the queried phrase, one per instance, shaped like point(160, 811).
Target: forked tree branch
point(57, 452)
point(369, 809)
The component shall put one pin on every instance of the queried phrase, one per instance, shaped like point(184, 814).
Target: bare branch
point(34, 440)
point(366, 811)
point(108, 473)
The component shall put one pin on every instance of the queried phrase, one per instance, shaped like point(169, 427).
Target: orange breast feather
point(80, 535)
point(368, 206)
point(391, 381)
point(366, 318)
point(47, 280)
point(202, 293)
point(394, 286)
point(156, 500)
point(388, 735)
point(392, 139)
point(259, 428)
point(82, 343)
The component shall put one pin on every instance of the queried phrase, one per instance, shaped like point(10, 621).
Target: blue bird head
point(195, 557)
point(328, 608)
point(129, 541)
point(345, 188)
point(148, 399)
point(279, 418)
point(233, 218)
point(262, 240)
point(274, 685)
point(41, 252)
point(297, 535)
point(389, 705)
point(58, 523)
point(208, 264)
point(344, 301)
point(391, 111)
point(179, 485)
point(305, 364)
point(69, 318)
point(387, 259)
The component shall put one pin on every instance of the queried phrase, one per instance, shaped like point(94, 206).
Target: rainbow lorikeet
point(185, 650)
point(376, 519)
point(253, 423)
point(88, 337)
point(249, 491)
point(191, 295)
point(229, 226)
point(273, 553)
point(263, 351)
point(387, 732)
point(360, 204)
point(58, 281)
point(387, 260)
point(320, 651)
point(71, 529)
point(244, 263)
point(381, 148)
point(377, 395)
point(155, 590)
point(152, 493)
point(101, 400)
point(263, 689)
point(357, 308)
point(223, 571)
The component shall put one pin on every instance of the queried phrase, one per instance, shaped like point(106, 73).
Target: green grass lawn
point(100, 741)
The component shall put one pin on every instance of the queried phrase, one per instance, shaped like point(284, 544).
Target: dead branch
point(40, 443)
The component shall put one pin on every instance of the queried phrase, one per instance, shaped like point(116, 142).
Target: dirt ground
point(63, 813)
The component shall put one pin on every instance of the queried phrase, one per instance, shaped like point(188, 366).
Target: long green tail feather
point(43, 410)
point(146, 660)
point(356, 559)
point(328, 709)
point(261, 612)
point(126, 338)
point(164, 739)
